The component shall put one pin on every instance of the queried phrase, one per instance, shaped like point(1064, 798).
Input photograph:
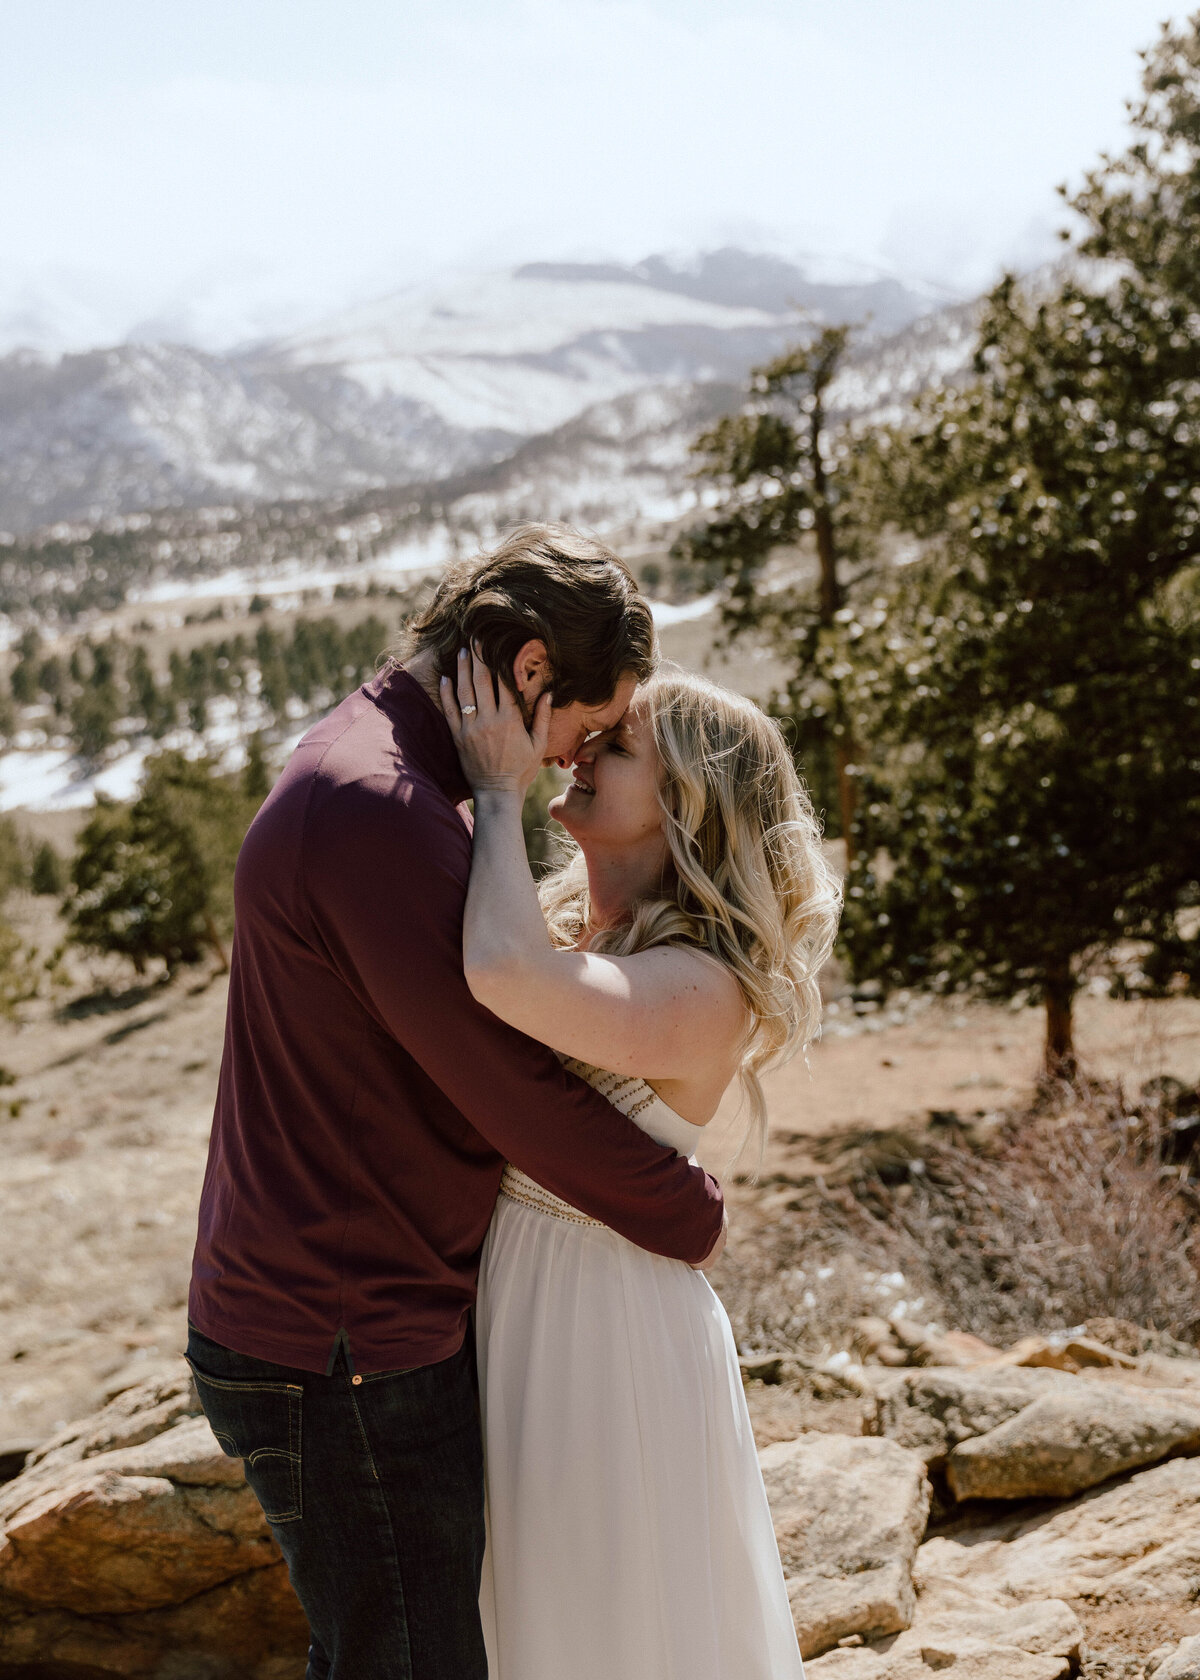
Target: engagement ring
point(467, 710)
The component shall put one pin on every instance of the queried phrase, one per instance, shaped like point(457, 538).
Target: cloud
point(198, 149)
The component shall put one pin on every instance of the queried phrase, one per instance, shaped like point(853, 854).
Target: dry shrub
point(1071, 1213)
point(803, 1308)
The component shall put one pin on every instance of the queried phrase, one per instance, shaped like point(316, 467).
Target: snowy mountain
point(112, 431)
point(414, 388)
point(527, 350)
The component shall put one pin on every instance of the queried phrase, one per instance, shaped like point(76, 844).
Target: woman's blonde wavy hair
point(748, 882)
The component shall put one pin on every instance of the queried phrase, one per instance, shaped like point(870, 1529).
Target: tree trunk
point(830, 600)
point(831, 589)
point(847, 795)
point(1059, 987)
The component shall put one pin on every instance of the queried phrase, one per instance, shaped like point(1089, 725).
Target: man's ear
point(531, 670)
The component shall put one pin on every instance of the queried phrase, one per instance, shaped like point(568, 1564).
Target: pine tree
point(1033, 680)
point(52, 682)
point(23, 681)
point(155, 880)
point(47, 875)
point(156, 708)
point(137, 886)
point(785, 476)
point(92, 714)
point(14, 857)
point(541, 840)
point(256, 775)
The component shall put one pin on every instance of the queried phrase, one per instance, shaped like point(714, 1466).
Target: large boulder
point(1135, 1541)
point(1018, 1432)
point(849, 1515)
point(992, 1641)
point(933, 1410)
point(1064, 1442)
point(1183, 1663)
point(131, 1536)
point(970, 1661)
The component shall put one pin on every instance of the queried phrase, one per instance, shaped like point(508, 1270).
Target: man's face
point(571, 725)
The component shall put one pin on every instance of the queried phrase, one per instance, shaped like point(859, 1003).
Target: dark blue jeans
point(373, 1487)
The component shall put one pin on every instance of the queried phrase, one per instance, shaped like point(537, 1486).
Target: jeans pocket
point(258, 1422)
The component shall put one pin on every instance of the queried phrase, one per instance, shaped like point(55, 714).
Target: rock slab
point(849, 1515)
point(131, 1540)
point(933, 1410)
point(1183, 1663)
point(1062, 1443)
point(1136, 1541)
point(1040, 1640)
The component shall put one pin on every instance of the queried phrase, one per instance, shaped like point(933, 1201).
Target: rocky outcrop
point(970, 1659)
point(972, 1632)
point(130, 1546)
point(131, 1539)
point(901, 1341)
point(934, 1411)
point(1136, 1541)
point(1020, 1432)
point(1061, 1443)
point(1182, 1663)
point(1005, 1597)
point(849, 1515)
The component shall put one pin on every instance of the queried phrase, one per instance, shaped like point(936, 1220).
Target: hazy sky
point(276, 156)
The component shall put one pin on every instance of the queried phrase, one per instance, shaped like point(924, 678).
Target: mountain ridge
point(413, 388)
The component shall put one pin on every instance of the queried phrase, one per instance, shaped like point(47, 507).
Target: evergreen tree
point(256, 774)
point(155, 880)
point(20, 970)
point(92, 714)
point(1142, 208)
point(14, 858)
point(1034, 678)
point(214, 810)
point(155, 707)
point(540, 838)
point(52, 682)
point(786, 477)
point(47, 875)
point(23, 681)
point(137, 886)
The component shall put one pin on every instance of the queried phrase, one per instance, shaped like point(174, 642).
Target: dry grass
point(1066, 1215)
point(1078, 1210)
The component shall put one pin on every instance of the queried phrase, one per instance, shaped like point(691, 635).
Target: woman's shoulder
point(710, 983)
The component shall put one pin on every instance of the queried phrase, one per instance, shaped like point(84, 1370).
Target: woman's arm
point(666, 1013)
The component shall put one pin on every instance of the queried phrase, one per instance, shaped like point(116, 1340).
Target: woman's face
point(612, 801)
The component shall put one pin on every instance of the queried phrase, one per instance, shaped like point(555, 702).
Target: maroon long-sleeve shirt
point(366, 1102)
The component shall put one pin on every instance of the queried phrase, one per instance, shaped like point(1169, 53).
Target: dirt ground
point(929, 1055)
point(104, 1127)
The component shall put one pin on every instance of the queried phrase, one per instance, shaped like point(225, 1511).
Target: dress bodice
point(640, 1103)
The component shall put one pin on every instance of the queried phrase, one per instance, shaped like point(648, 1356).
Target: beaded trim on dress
point(626, 1092)
point(519, 1187)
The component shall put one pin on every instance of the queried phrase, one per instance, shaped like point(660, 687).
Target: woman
point(629, 1533)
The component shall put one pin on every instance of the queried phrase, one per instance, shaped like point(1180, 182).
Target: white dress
point(629, 1536)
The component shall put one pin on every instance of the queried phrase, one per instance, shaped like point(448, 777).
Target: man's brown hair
point(554, 584)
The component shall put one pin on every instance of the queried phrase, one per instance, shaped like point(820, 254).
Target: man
point(365, 1108)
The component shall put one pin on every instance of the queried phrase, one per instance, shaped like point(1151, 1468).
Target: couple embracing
point(448, 1298)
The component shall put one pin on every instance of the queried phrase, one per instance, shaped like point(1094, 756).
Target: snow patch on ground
point(41, 777)
point(668, 612)
point(286, 583)
point(53, 779)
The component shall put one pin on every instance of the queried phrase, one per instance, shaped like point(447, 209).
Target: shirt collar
point(427, 738)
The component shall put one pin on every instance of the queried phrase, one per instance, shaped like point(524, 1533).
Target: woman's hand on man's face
point(498, 752)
